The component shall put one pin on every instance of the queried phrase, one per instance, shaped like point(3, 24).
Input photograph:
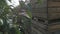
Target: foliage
point(26, 21)
point(5, 14)
point(39, 1)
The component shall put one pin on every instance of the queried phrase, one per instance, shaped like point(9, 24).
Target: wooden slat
point(43, 15)
point(52, 4)
point(35, 31)
point(54, 28)
point(54, 10)
point(56, 0)
point(54, 15)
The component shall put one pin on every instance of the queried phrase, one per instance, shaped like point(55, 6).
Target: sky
point(15, 3)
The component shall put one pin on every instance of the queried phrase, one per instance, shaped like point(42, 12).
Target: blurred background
point(29, 16)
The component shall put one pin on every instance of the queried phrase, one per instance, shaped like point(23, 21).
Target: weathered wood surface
point(53, 4)
point(53, 9)
point(39, 11)
point(40, 26)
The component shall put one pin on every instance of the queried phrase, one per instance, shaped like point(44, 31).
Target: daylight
point(14, 3)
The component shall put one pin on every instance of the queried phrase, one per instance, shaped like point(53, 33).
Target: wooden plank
point(43, 15)
point(53, 28)
point(35, 31)
point(54, 15)
point(53, 4)
point(56, 0)
point(53, 10)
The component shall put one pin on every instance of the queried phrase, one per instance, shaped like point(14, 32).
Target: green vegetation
point(5, 15)
point(8, 18)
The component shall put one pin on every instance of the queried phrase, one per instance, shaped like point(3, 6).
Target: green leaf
point(14, 31)
point(17, 31)
point(29, 13)
point(39, 1)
